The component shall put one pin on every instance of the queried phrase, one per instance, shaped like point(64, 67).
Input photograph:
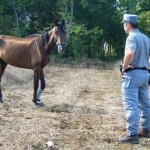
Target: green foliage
point(129, 6)
point(83, 42)
point(76, 43)
point(93, 27)
point(144, 22)
point(143, 11)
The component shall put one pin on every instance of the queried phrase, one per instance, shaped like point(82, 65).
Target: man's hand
point(126, 67)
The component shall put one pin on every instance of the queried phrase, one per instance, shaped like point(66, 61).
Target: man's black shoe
point(144, 133)
point(133, 139)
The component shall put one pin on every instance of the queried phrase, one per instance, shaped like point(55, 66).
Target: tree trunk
point(40, 16)
point(26, 21)
point(17, 21)
point(69, 17)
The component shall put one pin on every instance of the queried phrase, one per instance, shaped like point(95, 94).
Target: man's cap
point(130, 18)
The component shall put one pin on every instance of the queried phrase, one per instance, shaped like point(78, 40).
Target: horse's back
point(25, 52)
point(16, 51)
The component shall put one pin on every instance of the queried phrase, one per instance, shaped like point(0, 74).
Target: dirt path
point(83, 112)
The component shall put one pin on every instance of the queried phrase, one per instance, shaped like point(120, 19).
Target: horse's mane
point(44, 37)
point(33, 35)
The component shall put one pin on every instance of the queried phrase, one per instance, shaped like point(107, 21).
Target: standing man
point(135, 81)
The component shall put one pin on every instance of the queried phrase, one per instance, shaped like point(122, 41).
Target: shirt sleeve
point(149, 47)
point(130, 44)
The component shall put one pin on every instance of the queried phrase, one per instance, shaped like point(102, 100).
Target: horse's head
point(59, 35)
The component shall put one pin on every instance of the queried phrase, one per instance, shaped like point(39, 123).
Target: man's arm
point(127, 60)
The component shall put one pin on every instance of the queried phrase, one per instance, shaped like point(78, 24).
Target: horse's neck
point(51, 42)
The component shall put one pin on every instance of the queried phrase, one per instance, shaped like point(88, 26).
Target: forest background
point(93, 27)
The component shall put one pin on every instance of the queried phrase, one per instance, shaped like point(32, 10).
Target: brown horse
point(31, 52)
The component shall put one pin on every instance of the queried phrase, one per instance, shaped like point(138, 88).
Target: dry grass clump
point(14, 75)
point(81, 63)
point(83, 111)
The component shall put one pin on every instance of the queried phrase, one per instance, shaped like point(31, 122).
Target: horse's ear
point(63, 22)
point(55, 22)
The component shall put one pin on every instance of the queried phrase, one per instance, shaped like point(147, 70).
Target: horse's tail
point(2, 42)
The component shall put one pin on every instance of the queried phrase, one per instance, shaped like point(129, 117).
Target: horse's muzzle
point(61, 48)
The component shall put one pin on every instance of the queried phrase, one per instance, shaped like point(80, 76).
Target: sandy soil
point(83, 111)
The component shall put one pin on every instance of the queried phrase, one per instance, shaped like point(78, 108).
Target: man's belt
point(135, 68)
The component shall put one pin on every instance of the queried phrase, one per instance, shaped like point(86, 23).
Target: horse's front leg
point(37, 74)
point(41, 87)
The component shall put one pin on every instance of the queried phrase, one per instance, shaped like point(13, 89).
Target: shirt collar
point(134, 31)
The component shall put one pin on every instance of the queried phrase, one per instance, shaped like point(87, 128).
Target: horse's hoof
point(41, 104)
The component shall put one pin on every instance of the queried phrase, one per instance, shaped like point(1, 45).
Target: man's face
point(126, 27)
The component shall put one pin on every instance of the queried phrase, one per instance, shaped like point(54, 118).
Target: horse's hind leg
point(2, 69)
point(36, 84)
